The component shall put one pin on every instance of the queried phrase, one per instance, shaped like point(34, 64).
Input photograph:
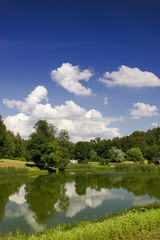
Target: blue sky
point(88, 66)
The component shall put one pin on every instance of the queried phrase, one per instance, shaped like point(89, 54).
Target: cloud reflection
point(92, 199)
point(29, 216)
point(19, 197)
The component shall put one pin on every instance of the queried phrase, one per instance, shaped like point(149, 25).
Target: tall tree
point(135, 155)
point(117, 154)
point(43, 147)
point(2, 137)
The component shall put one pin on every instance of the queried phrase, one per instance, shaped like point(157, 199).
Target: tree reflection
point(139, 184)
point(45, 195)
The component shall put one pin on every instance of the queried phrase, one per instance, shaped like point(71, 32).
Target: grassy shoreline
point(121, 167)
point(135, 223)
point(10, 167)
point(14, 167)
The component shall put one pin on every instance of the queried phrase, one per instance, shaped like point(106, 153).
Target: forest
point(49, 147)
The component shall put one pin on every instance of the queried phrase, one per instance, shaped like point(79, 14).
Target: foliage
point(46, 147)
point(93, 157)
point(43, 147)
point(82, 151)
point(10, 146)
point(135, 155)
point(117, 154)
point(103, 161)
point(66, 147)
point(152, 153)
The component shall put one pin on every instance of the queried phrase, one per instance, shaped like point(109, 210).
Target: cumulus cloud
point(80, 123)
point(68, 77)
point(143, 110)
point(130, 77)
point(19, 123)
point(36, 96)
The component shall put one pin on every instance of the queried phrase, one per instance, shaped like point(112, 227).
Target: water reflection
point(33, 204)
point(42, 195)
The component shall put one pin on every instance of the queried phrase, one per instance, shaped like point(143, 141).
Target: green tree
point(2, 137)
point(82, 151)
point(44, 148)
point(9, 145)
point(152, 153)
point(117, 154)
point(135, 155)
point(20, 147)
point(93, 157)
point(63, 138)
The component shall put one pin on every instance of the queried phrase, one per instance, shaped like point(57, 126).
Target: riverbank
point(88, 167)
point(117, 167)
point(135, 223)
point(15, 167)
point(10, 167)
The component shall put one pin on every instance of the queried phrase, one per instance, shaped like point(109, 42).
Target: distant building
point(74, 161)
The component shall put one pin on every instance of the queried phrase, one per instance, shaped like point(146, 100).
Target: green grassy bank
point(117, 167)
point(136, 223)
point(14, 167)
point(88, 167)
point(136, 168)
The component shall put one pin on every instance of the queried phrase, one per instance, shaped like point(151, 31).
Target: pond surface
point(34, 204)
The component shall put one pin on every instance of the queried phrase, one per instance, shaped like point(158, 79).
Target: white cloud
point(36, 96)
point(19, 123)
point(68, 110)
point(105, 100)
point(143, 110)
point(80, 123)
point(154, 124)
point(130, 77)
point(68, 77)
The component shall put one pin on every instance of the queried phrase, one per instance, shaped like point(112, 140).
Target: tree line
point(49, 147)
point(137, 147)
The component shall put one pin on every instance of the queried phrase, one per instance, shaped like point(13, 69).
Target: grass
point(14, 167)
point(88, 167)
point(136, 168)
point(117, 167)
point(12, 163)
point(136, 223)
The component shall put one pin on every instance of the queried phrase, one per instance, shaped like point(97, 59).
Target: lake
point(33, 204)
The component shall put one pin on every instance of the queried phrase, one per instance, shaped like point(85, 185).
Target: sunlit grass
point(14, 167)
point(92, 167)
point(117, 167)
point(12, 163)
point(136, 168)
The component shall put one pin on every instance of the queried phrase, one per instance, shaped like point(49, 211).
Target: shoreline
point(140, 222)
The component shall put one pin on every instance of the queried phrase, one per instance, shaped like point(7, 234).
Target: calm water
point(34, 204)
